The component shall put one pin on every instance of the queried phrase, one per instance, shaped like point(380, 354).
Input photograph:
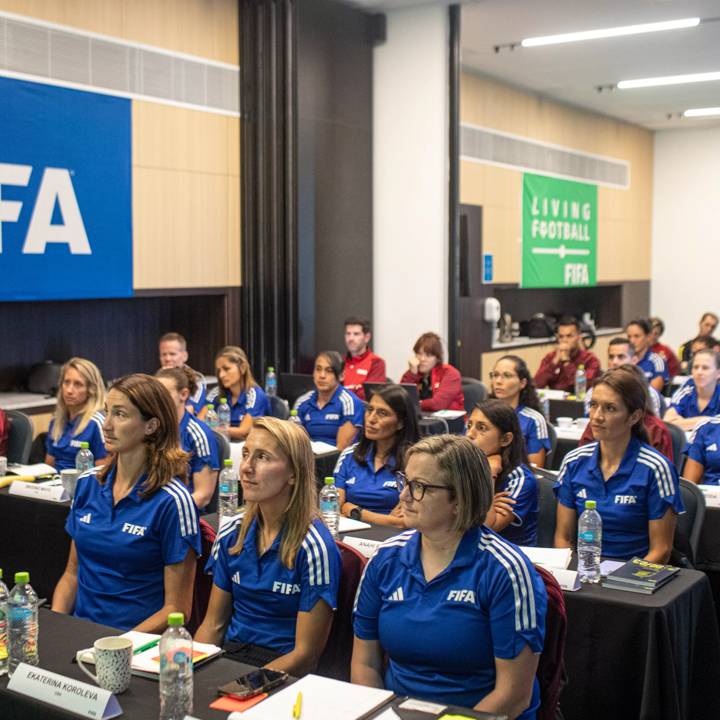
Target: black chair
point(278, 408)
point(663, 407)
point(547, 510)
point(292, 385)
point(690, 523)
point(224, 452)
point(20, 437)
point(37, 449)
point(677, 434)
point(433, 426)
point(550, 455)
point(474, 393)
point(466, 380)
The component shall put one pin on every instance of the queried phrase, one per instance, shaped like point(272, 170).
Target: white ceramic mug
point(564, 422)
point(113, 658)
point(3, 465)
point(69, 479)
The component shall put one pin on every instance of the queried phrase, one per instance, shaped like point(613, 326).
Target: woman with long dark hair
point(366, 472)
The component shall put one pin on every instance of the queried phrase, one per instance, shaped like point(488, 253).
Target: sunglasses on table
point(417, 488)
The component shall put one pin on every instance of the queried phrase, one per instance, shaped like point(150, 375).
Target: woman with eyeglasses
point(493, 427)
point(366, 472)
point(511, 382)
point(457, 610)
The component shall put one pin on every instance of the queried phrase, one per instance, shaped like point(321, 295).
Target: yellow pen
point(297, 707)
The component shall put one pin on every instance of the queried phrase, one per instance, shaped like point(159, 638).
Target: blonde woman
point(78, 415)
point(247, 400)
point(276, 569)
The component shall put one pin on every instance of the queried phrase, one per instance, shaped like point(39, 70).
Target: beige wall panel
point(179, 139)
point(623, 255)
point(180, 236)
point(40, 423)
point(501, 237)
point(206, 28)
point(233, 145)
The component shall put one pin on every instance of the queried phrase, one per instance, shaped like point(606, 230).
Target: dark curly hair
point(528, 395)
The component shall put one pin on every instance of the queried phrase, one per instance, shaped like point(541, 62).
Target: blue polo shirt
point(198, 401)
point(266, 594)
point(322, 424)
point(533, 427)
point(643, 487)
point(374, 491)
point(197, 439)
point(703, 448)
point(653, 366)
point(685, 401)
point(251, 400)
point(67, 446)
point(522, 486)
point(123, 549)
point(442, 636)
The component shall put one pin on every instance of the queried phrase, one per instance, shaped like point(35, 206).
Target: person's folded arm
point(443, 396)
point(661, 533)
point(366, 665)
point(345, 435)
point(546, 371)
point(242, 430)
point(565, 526)
point(693, 471)
point(214, 624)
point(204, 482)
point(66, 590)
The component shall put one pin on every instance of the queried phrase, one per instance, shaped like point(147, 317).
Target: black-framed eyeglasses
point(417, 488)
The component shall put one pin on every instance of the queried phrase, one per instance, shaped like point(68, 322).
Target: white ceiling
point(570, 72)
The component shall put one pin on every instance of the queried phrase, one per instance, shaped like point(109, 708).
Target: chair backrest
point(551, 673)
point(20, 437)
point(203, 582)
point(663, 406)
point(547, 510)
point(474, 393)
point(335, 660)
point(278, 408)
point(292, 385)
point(432, 426)
point(552, 454)
point(690, 523)
point(678, 445)
point(224, 452)
point(466, 380)
point(37, 449)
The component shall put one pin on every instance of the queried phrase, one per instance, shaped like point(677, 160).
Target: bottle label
point(587, 536)
point(225, 488)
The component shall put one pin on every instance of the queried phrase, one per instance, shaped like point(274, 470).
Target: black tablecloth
point(708, 559)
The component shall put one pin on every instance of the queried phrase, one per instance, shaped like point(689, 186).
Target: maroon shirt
point(669, 357)
point(4, 431)
point(359, 369)
point(561, 376)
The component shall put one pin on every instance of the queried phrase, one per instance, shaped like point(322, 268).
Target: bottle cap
point(271, 369)
point(84, 445)
point(293, 413)
point(0, 573)
point(176, 619)
point(581, 366)
point(329, 480)
point(227, 463)
point(209, 406)
point(223, 399)
point(590, 504)
point(22, 577)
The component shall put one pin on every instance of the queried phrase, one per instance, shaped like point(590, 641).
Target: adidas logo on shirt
point(397, 595)
point(712, 447)
point(236, 578)
point(582, 493)
point(86, 518)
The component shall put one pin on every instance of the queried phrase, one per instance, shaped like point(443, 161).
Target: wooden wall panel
point(207, 28)
point(625, 220)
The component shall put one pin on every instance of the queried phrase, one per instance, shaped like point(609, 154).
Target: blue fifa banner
point(65, 193)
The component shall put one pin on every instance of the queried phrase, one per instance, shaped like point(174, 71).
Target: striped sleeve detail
point(316, 554)
point(539, 420)
point(303, 398)
point(343, 456)
point(213, 394)
point(696, 429)
point(227, 528)
point(678, 395)
point(660, 466)
point(348, 404)
point(519, 574)
point(185, 507)
point(99, 418)
point(577, 453)
point(250, 399)
point(202, 446)
point(658, 362)
point(515, 482)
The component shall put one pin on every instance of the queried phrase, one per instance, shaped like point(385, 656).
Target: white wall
point(410, 174)
point(686, 229)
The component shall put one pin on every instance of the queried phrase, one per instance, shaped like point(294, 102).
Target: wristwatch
point(356, 513)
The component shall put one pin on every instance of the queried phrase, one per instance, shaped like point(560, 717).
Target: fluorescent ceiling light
point(668, 80)
point(702, 112)
point(611, 32)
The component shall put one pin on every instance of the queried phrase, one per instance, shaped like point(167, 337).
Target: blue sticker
point(65, 193)
point(487, 267)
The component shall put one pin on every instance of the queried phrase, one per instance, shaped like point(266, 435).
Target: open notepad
point(147, 662)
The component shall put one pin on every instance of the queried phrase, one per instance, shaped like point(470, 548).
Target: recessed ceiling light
point(702, 112)
point(669, 80)
point(611, 32)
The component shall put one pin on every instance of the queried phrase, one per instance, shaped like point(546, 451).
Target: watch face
point(355, 513)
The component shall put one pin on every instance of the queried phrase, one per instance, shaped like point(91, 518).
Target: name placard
point(52, 491)
point(74, 696)
point(567, 579)
point(364, 545)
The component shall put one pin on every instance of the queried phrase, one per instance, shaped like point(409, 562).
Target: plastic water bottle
point(176, 670)
point(223, 415)
point(271, 382)
point(589, 543)
point(4, 649)
point(211, 418)
point(227, 491)
point(84, 460)
point(580, 382)
point(330, 505)
point(295, 418)
point(22, 623)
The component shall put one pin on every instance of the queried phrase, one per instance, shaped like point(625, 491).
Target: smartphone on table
point(253, 683)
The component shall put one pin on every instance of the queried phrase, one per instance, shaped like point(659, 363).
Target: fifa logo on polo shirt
point(332, 416)
point(285, 588)
point(467, 596)
point(131, 529)
point(625, 499)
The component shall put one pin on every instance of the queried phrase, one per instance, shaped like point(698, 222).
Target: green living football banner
point(559, 233)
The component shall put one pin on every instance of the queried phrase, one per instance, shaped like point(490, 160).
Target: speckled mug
point(113, 658)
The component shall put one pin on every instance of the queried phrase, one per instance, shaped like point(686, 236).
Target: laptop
point(292, 385)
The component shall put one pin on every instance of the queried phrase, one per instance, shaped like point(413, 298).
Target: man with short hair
point(707, 326)
point(657, 328)
point(701, 342)
point(361, 364)
point(173, 352)
point(557, 369)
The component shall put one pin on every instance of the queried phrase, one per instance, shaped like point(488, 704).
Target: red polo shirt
point(359, 369)
point(561, 376)
point(446, 386)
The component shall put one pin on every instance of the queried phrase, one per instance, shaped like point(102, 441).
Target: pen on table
point(297, 707)
point(147, 646)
